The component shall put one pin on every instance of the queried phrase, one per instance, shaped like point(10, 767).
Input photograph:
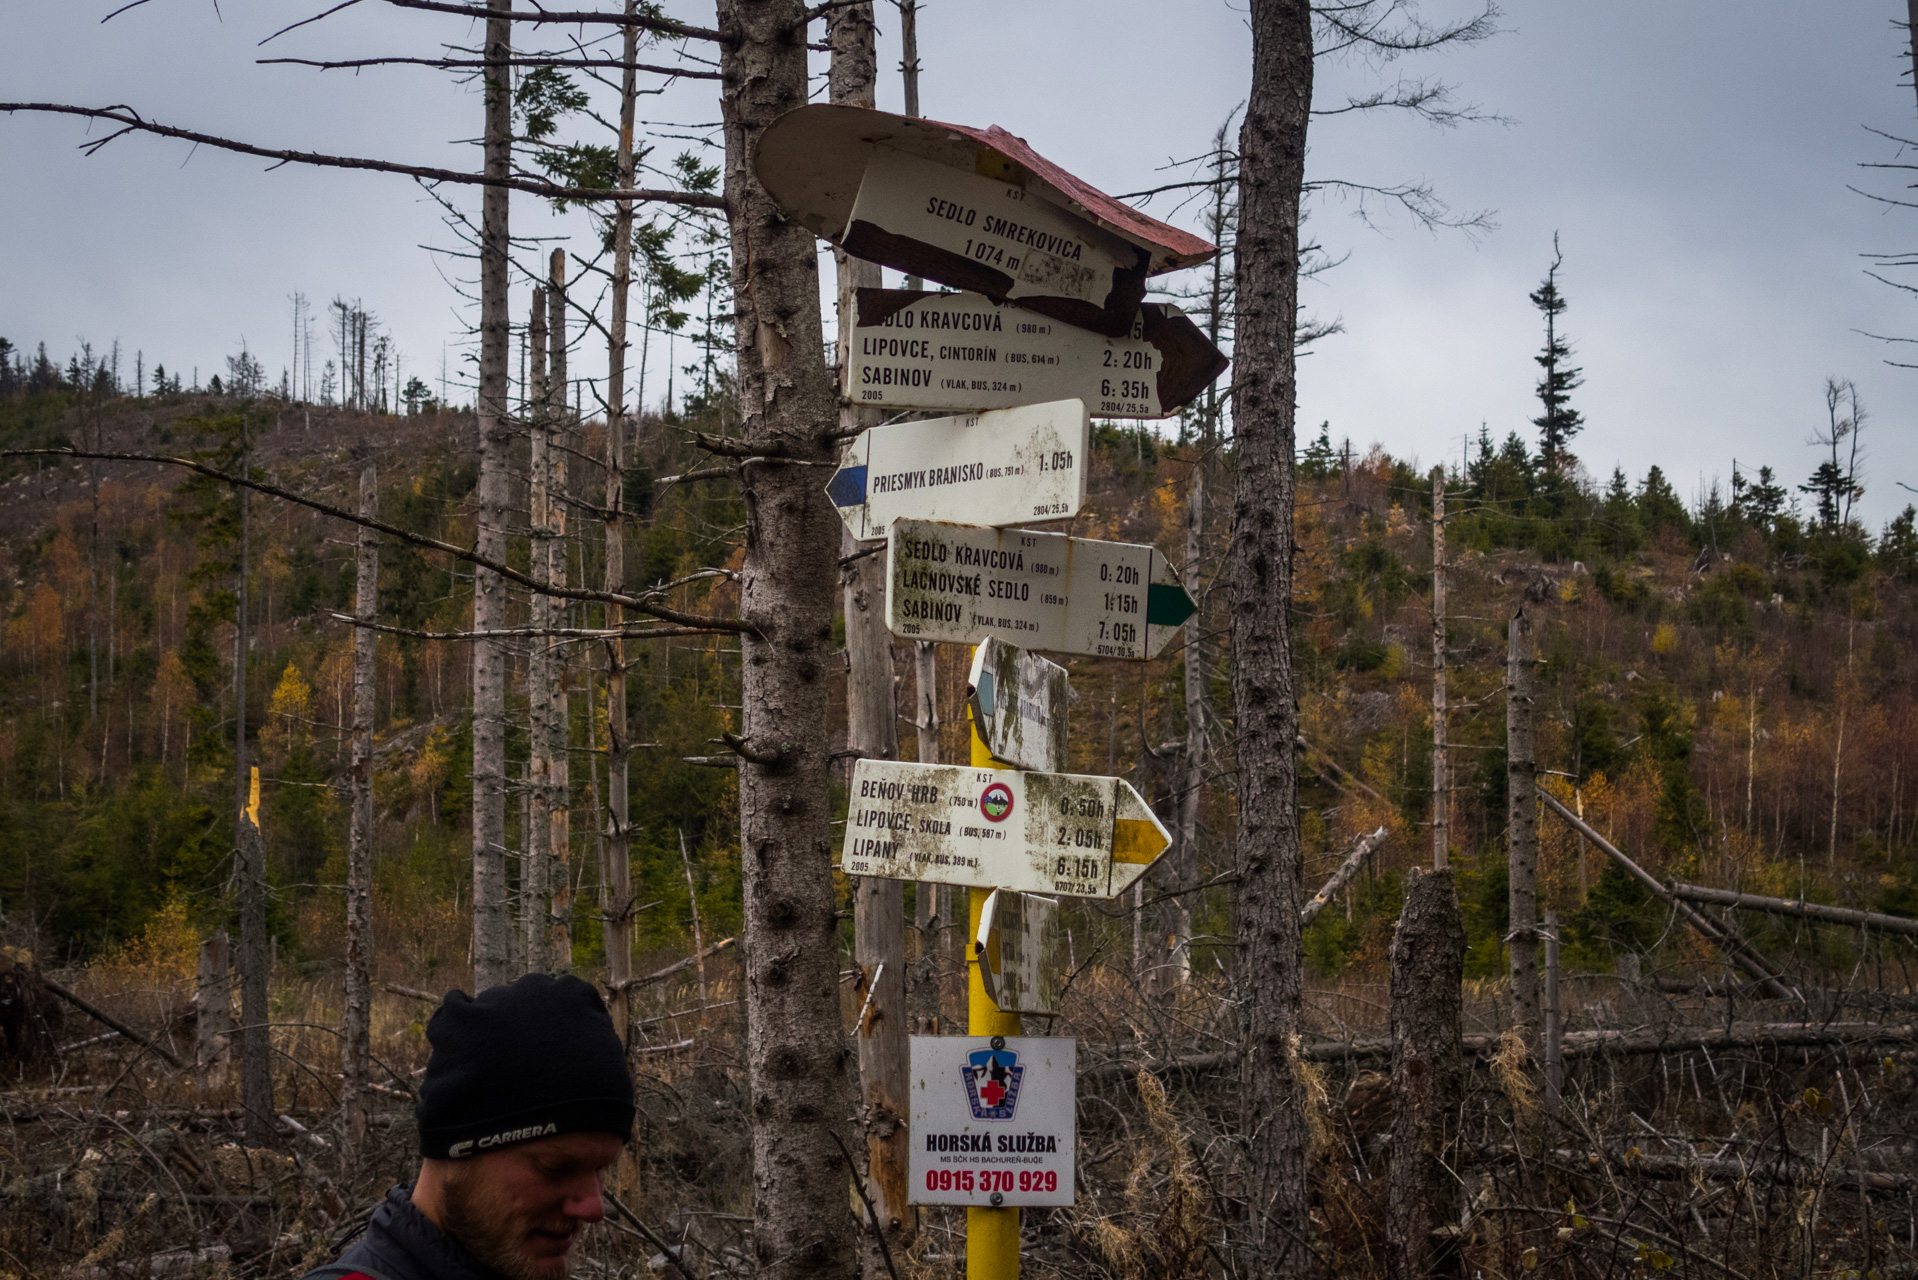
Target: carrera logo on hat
point(466, 1148)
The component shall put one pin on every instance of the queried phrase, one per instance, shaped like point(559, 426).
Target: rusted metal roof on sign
point(812, 161)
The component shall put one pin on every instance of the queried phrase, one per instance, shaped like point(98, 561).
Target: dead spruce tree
point(492, 921)
point(1264, 686)
point(796, 1050)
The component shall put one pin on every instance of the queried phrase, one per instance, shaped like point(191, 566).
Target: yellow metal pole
point(992, 1235)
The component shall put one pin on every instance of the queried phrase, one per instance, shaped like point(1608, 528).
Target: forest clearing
point(1026, 801)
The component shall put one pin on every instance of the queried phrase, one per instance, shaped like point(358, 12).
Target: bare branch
point(661, 26)
point(643, 603)
point(131, 121)
point(450, 64)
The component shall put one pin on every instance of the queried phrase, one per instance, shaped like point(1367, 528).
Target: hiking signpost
point(1050, 327)
point(1076, 834)
point(985, 468)
point(918, 350)
point(961, 584)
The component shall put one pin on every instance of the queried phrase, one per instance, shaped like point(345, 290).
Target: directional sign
point(993, 1120)
point(911, 349)
point(1018, 702)
point(960, 584)
point(1021, 948)
point(976, 232)
point(984, 468)
point(1062, 833)
point(974, 209)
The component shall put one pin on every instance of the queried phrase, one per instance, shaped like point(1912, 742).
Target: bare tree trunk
point(1428, 1078)
point(557, 887)
point(795, 1049)
point(492, 920)
point(872, 730)
point(616, 872)
point(533, 868)
point(1441, 780)
point(355, 1045)
point(213, 1009)
point(1521, 788)
point(1554, 1035)
point(1175, 921)
point(1265, 694)
point(256, 1043)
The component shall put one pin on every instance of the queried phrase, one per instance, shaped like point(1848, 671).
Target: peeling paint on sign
point(1019, 702)
point(959, 584)
point(912, 349)
point(1077, 835)
point(1002, 467)
point(1021, 950)
point(986, 234)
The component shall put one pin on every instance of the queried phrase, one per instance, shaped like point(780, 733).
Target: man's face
point(516, 1209)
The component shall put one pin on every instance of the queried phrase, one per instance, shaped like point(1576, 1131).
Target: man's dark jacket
point(400, 1244)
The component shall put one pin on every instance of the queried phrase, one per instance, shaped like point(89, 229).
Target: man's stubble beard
point(490, 1231)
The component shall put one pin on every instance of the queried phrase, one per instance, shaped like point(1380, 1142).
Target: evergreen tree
point(1619, 530)
point(1759, 502)
point(1560, 422)
point(1898, 549)
point(9, 381)
point(1320, 459)
point(1659, 505)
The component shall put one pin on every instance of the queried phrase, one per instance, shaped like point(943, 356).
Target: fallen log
point(1724, 1169)
point(1362, 849)
point(1737, 951)
point(108, 1020)
point(1636, 1042)
point(678, 965)
point(1796, 907)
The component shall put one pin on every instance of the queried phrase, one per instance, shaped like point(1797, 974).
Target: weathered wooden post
point(1521, 801)
point(1441, 780)
point(213, 1006)
point(1554, 1020)
point(1428, 1077)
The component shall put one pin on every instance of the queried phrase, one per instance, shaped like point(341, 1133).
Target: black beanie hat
point(536, 1058)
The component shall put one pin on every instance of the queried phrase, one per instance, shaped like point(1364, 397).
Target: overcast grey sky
point(1694, 158)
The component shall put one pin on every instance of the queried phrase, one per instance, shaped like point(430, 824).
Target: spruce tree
point(1560, 422)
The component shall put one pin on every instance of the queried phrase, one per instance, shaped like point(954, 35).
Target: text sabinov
point(900, 481)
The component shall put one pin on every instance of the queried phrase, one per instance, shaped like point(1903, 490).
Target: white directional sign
point(917, 350)
point(1060, 833)
point(1021, 949)
point(1003, 467)
point(1018, 702)
point(959, 584)
point(993, 1120)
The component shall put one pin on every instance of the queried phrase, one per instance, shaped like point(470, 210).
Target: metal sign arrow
point(1059, 833)
point(974, 209)
point(959, 583)
point(917, 350)
point(1019, 705)
point(1021, 948)
point(1002, 467)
